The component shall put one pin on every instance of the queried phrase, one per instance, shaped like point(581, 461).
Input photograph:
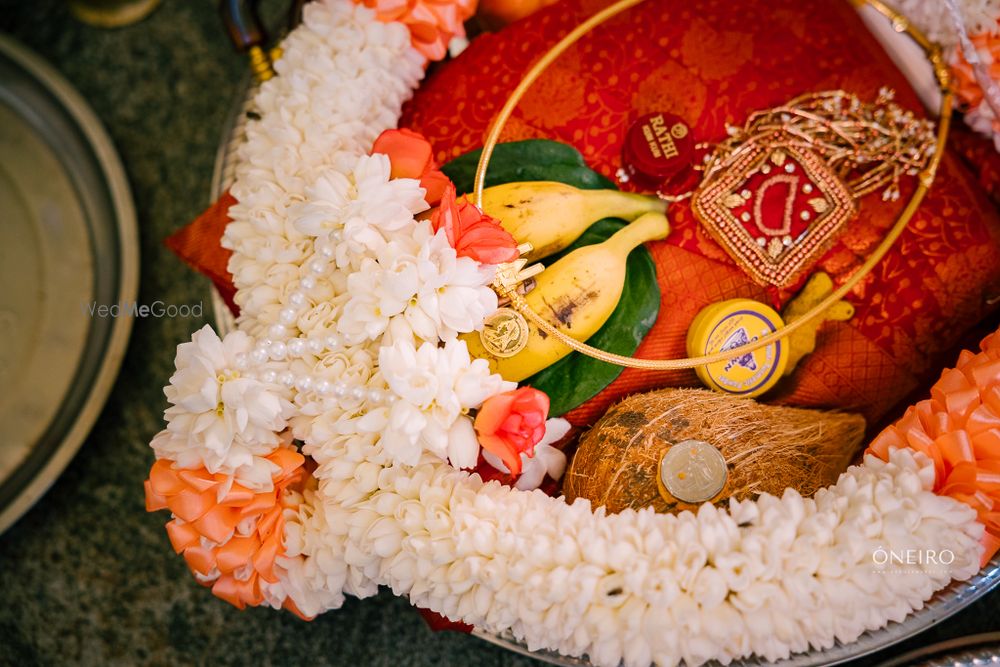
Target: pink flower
point(511, 423)
point(471, 232)
point(410, 156)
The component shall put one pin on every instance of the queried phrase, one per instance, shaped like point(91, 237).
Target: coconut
point(767, 448)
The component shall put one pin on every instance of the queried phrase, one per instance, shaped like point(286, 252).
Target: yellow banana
point(551, 215)
point(577, 295)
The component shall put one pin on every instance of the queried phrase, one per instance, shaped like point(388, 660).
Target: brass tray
point(945, 603)
point(68, 244)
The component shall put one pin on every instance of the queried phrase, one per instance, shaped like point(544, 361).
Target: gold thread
point(925, 178)
point(260, 64)
point(536, 70)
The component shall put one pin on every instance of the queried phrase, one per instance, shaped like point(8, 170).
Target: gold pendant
point(778, 192)
point(775, 211)
point(505, 332)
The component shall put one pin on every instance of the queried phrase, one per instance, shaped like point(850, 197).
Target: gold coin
point(693, 471)
point(505, 332)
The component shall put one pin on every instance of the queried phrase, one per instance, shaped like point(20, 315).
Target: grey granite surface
point(87, 576)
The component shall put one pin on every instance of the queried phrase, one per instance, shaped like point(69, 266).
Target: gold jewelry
point(777, 193)
point(924, 175)
point(505, 332)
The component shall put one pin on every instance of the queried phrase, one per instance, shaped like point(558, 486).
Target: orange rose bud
point(411, 156)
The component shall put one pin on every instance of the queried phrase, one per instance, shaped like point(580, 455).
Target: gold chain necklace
point(510, 276)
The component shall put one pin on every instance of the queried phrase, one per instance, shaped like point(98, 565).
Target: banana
point(551, 215)
point(577, 295)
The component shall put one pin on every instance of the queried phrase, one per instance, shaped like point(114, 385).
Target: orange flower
point(238, 561)
point(511, 423)
point(473, 233)
point(410, 156)
point(967, 87)
point(432, 23)
point(967, 78)
point(958, 428)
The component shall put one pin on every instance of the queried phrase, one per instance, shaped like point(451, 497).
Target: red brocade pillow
point(713, 62)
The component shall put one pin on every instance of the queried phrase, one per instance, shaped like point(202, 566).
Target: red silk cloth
point(200, 245)
point(958, 427)
point(713, 63)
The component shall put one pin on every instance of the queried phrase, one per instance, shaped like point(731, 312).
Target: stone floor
point(87, 577)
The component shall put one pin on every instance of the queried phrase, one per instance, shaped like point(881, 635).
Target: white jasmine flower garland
point(343, 78)
point(351, 299)
point(769, 577)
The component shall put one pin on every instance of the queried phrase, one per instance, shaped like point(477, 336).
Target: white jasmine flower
point(242, 461)
point(364, 206)
point(934, 19)
point(417, 287)
point(463, 446)
point(435, 386)
point(219, 417)
point(455, 292)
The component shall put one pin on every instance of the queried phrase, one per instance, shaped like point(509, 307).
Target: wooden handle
point(243, 24)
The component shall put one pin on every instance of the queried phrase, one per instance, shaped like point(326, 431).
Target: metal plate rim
point(128, 285)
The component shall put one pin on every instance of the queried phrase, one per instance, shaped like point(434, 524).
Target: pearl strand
point(268, 349)
point(280, 345)
point(265, 350)
point(309, 382)
point(324, 249)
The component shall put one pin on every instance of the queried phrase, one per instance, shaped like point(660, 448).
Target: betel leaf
point(530, 160)
point(575, 378)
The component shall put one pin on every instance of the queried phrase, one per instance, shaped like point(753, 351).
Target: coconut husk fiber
point(767, 448)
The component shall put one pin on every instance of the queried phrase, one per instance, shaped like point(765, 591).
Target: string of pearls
point(249, 365)
point(281, 345)
point(324, 249)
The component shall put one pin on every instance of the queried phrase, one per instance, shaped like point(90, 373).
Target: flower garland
point(979, 16)
point(949, 23)
point(351, 303)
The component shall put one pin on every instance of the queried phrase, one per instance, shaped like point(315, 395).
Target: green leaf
point(530, 160)
point(576, 378)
